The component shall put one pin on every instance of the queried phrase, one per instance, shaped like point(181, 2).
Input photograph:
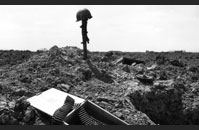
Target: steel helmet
point(83, 14)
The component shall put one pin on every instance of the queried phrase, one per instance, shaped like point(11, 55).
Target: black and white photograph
point(99, 65)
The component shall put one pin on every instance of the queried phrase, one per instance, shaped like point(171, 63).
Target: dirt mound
point(13, 57)
point(172, 98)
point(163, 88)
point(64, 69)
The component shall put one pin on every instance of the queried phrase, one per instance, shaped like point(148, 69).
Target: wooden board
point(49, 101)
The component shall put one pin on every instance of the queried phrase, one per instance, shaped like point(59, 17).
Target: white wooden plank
point(49, 101)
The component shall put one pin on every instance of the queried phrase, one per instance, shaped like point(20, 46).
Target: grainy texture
point(171, 97)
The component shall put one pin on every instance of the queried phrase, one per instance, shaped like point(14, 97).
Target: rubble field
point(141, 88)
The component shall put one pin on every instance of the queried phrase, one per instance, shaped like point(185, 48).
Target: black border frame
point(101, 2)
point(119, 127)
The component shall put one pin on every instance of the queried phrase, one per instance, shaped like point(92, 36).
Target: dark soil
point(124, 90)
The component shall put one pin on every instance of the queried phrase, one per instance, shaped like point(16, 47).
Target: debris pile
point(140, 88)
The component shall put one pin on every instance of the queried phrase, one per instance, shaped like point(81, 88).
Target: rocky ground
point(147, 89)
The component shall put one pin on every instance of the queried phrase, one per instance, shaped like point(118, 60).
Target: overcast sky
point(113, 27)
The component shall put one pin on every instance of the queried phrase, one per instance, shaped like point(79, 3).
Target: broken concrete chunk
point(145, 79)
point(192, 69)
point(119, 114)
point(106, 99)
point(128, 61)
point(20, 92)
point(103, 103)
point(64, 87)
point(178, 63)
point(3, 105)
point(152, 67)
point(126, 69)
point(126, 111)
point(163, 83)
point(11, 104)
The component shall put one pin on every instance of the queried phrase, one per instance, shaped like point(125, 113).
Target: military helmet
point(83, 14)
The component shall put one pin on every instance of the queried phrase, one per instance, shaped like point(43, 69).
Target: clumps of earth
point(141, 88)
